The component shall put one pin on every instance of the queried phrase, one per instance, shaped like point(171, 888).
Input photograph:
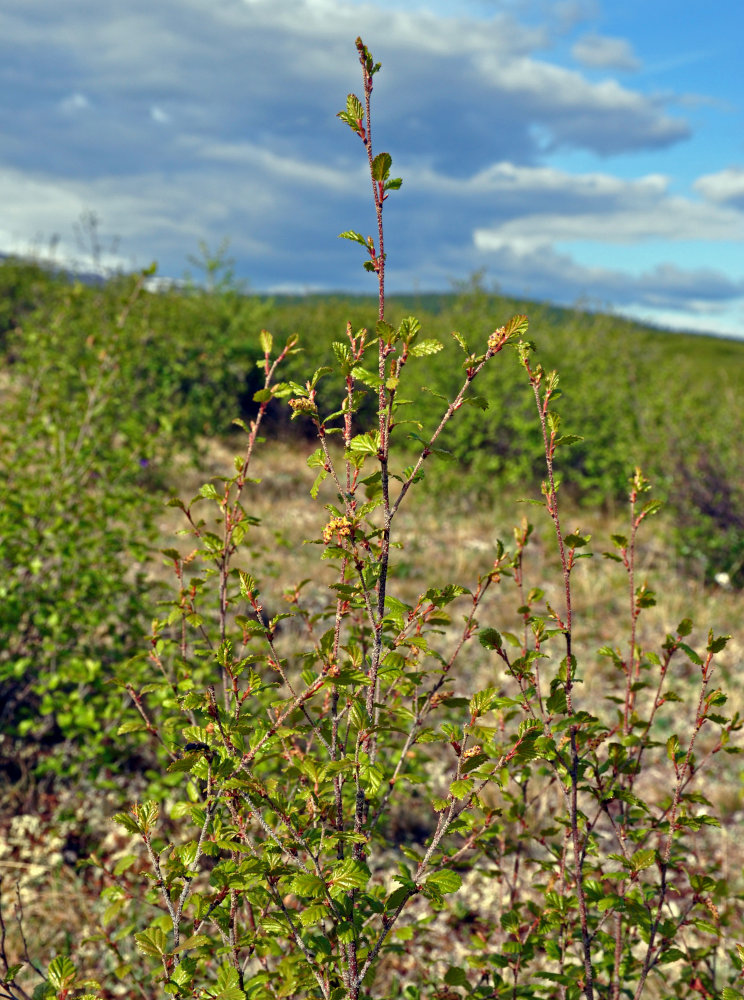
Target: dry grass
point(451, 538)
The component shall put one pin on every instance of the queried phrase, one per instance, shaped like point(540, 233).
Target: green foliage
point(96, 407)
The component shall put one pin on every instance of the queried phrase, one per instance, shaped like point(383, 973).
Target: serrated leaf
point(422, 348)
point(366, 444)
point(455, 976)
point(490, 638)
point(381, 166)
point(480, 402)
point(313, 914)
point(518, 324)
point(184, 763)
point(350, 234)
point(445, 881)
point(691, 654)
point(307, 885)
point(128, 822)
point(642, 859)
point(62, 973)
point(353, 115)
point(364, 375)
point(195, 941)
point(684, 627)
point(717, 643)
point(349, 874)
point(461, 341)
point(461, 787)
point(152, 942)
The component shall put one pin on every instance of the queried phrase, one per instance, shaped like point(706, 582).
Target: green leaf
point(490, 638)
point(208, 490)
point(717, 643)
point(128, 821)
point(350, 234)
point(133, 726)
point(518, 324)
point(267, 341)
point(372, 379)
point(228, 984)
point(124, 863)
point(313, 914)
point(62, 973)
point(642, 859)
point(381, 166)
point(461, 341)
point(349, 874)
point(479, 402)
point(365, 444)
point(184, 763)
point(684, 627)
point(248, 588)
point(651, 507)
point(461, 787)
point(692, 655)
point(308, 885)
point(423, 348)
point(353, 114)
point(445, 881)
point(455, 976)
point(195, 941)
point(152, 942)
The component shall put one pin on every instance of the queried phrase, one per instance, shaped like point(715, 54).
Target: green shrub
point(106, 387)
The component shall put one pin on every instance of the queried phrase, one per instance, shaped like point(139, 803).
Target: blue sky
point(571, 150)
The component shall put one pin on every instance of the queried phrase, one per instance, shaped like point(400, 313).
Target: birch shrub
point(276, 866)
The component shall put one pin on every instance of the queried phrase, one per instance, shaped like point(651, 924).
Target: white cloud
point(600, 52)
point(668, 219)
point(724, 186)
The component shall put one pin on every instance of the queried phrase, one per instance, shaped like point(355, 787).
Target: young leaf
point(353, 114)
point(350, 234)
point(381, 166)
point(62, 973)
point(267, 341)
point(152, 942)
